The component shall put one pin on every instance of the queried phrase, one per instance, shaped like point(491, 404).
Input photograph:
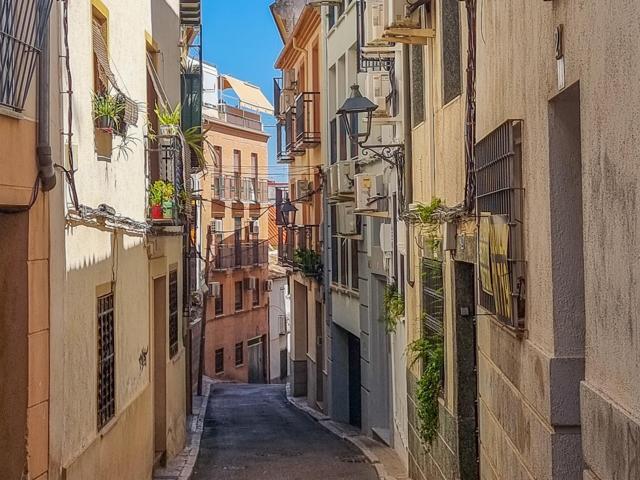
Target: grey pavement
point(252, 432)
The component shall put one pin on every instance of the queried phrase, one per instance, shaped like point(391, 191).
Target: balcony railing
point(307, 120)
point(233, 253)
point(240, 117)
point(165, 158)
point(283, 156)
point(299, 249)
point(234, 188)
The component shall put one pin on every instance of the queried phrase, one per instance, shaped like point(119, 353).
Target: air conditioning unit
point(216, 225)
point(333, 180)
point(345, 174)
point(268, 285)
point(214, 289)
point(347, 219)
point(303, 191)
point(375, 22)
point(250, 283)
point(370, 192)
point(397, 17)
point(378, 89)
point(254, 227)
point(386, 240)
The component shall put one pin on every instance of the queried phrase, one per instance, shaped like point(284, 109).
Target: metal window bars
point(23, 28)
point(173, 314)
point(106, 360)
point(499, 204)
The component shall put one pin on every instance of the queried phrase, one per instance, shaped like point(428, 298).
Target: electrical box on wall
point(370, 192)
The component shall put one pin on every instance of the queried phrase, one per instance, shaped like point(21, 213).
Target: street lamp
point(288, 213)
point(350, 112)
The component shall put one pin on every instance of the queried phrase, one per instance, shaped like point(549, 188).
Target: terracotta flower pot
point(156, 212)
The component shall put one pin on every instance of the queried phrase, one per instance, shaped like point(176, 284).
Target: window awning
point(250, 96)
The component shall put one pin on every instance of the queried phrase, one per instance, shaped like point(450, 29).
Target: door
point(160, 365)
point(319, 354)
point(380, 347)
point(256, 361)
point(355, 407)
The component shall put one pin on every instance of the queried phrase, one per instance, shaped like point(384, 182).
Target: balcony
point(240, 117)
point(307, 121)
point(165, 181)
point(233, 253)
point(300, 250)
point(235, 188)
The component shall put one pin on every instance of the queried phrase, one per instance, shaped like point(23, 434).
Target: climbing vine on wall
point(431, 351)
point(393, 308)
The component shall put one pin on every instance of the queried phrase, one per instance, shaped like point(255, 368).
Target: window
point(344, 261)
point(106, 360)
point(331, 17)
point(256, 294)
point(499, 204)
point(432, 297)
point(343, 140)
point(237, 162)
point(334, 245)
point(355, 281)
point(239, 354)
point(333, 154)
point(239, 295)
point(101, 78)
point(220, 360)
point(217, 158)
point(173, 313)
point(417, 84)
point(451, 75)
point(220, 302)
point(353, 121)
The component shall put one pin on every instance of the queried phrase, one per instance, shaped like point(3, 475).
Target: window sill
point(345, 291)
point(7, 112)
point(240, 365)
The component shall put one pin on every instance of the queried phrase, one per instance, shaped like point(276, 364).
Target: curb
point(352, 438)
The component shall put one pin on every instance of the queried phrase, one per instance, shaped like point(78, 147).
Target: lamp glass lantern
point(288, 212)
point(351, 112)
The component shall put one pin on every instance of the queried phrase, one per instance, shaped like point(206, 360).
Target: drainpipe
point(408, 153)
point(45, 163)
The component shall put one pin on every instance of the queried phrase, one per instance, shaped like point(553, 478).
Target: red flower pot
point(156, 212)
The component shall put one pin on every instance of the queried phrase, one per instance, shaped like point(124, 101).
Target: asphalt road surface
point(252, 432)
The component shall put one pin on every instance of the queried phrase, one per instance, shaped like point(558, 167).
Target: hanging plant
point(393, 303)
point(430, 223)
point(431, 351)
point(107, 110)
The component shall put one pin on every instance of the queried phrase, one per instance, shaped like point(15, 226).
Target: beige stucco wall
point(87, 259)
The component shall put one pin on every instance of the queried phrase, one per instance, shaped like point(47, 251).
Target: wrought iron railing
point(165, 158)
point(235, 188)
point(299, 248)
point(307, 120)
point(240, 117)
point(233, 253)
point(24, 25)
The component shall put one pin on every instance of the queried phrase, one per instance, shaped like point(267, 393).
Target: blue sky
point(241, 39)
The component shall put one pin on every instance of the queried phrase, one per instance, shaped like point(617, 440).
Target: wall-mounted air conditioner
point(347, 219)
point(346, 172)
point(378, 89)
point(332, 175)
point(216, 225)
point(268, 285)
point(386, 239)
point(396, 15)
point(370, 192)
point(374, 22)
point(250, 283)
point(214, 289)
point(254, 227)
point(303, 191)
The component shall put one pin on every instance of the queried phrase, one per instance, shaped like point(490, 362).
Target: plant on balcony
point(430, 350)
point(393, 302)
point(309, 262)
point(430, 223)
point(168, 119)
point(161, 200)
point(107, 110)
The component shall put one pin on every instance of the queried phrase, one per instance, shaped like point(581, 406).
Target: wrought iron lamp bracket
point(392, 154)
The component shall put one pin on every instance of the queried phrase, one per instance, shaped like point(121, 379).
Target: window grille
point(24, 25)
point(220, 360)
point(499, 204)
point(239, 296)
point(220, 302)
point(239, 354)
point(106, 360)
point(173, 313)
point(451, 74)
point(432, 297)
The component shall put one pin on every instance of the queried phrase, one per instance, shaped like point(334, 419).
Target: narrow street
point(252, 432)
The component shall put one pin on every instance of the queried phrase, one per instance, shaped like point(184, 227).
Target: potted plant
point(106, 110)
point(168, 200)
point(168, 120)
point(156, 193)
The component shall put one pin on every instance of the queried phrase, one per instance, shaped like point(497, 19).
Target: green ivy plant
point(393, 303)
point(430, 224)
point(309, 261)
point(430, 350)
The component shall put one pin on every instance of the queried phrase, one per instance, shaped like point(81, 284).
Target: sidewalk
point(181, 467)
point(384, 459)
